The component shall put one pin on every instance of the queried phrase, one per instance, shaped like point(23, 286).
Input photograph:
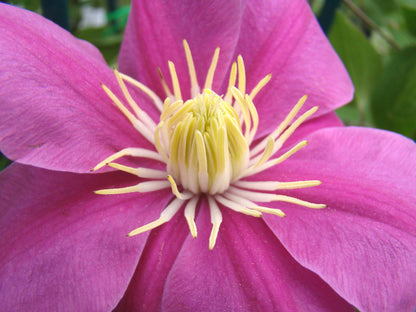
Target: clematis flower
point(186, 128)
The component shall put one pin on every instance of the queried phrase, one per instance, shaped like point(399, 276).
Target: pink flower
point(64, 248)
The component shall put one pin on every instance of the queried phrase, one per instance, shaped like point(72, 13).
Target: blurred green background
point(375, 39)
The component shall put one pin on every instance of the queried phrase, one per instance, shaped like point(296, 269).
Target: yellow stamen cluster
point(202, 143)
point(205, 143)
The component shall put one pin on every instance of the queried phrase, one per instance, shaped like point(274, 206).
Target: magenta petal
point(364, 243)
point(146, 289)
point(248, 270)
point(283, 38)
point(154, 35)
point(53, 111)
point(64, 248)
point(310, 126)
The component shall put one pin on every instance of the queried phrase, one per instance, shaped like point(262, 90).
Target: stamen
point(140, 172)
point(243, 108)
point(237, 207)
point(170, 109)
point(190, 215)
point(252, 205)
point(231, 82)
point(275, 185)
point(164, 84)
point(211, 70)
point(130, 151)
point(268, 150)
point(156, 100)
point(195, 90)
point(158, 143)
point(288, 132)
point(260, 86)
point(254, 117)
point(274, 211)
point(259, 147)
point(175, 81)
point(267, 197)
point(143, 187)
point(289, 153)
point(202, 162)
point(241, 75)
point(296, 201)
point(179, 113)
point(126, 93)
point(253, 169)
point(183, 196)
point(216, 219)
point(139, 112)
point(137, 124)
point(165, 216)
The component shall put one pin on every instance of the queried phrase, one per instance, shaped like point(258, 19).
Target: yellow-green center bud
point(203, 142)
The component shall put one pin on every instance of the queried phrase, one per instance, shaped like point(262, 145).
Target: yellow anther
point(144, 187)
point(164, 84)
point(165, 216)
point(190, 215)
point(191, 67)
point(231, 82)
point(260, 86)
point(241, 75)
point(211, 70)
point(175, 190)
point(175, 82)
point(216, 219)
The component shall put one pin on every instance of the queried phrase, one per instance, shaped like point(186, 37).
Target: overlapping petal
point(64, 248)
point(146, 289)
point(310, 126)
point(248, 270)
point(54, 113)
point(155, 32)
point(283, 38)
point(278, 37)
point(364, 243)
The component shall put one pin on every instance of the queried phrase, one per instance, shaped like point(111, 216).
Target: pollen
point(207, 145)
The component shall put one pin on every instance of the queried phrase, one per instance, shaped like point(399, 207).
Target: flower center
point(205, 143)
point(207, 146)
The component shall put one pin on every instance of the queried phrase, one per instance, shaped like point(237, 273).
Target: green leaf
point(407, 3)
point(377, 10)
point(4, 162)
point(109, 45)
point(32, 5)
point(360, 58)
point(409, 14)
point(393, 102)
point(350, 115)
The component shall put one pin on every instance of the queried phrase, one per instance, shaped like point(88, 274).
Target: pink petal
point(283, 38)
point(146, 289)
point(364, 243)
point(310, 126)
point(64, 248)
point(154, 35)
point(248, 270)
point(53, 111)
